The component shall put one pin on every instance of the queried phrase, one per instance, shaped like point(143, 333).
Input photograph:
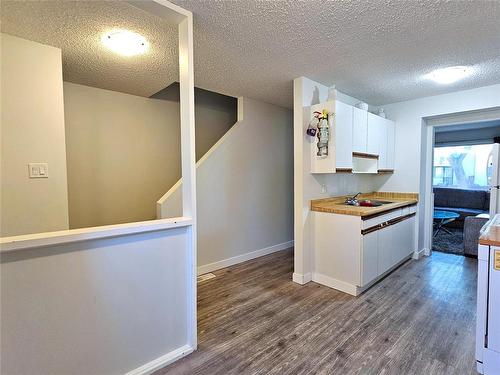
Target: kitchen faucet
point(352, 201)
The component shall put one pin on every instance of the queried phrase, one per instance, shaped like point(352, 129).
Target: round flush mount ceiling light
point(449, 75)
point(126, 43)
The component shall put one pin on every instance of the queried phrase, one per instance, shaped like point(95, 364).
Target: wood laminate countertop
point(490, 233)
point(336, 205)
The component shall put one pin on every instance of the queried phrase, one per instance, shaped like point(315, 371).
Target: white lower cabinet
point(350, 261)
point(386, 249)
point(369, 258)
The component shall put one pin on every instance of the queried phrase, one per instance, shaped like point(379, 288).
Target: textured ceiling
point(77, 26)
point(376, 51)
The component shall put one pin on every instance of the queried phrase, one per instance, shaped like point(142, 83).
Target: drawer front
point(388, 216)
point(380, 219)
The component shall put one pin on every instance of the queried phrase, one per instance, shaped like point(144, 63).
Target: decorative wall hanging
point(323, 134)
point(312, 128)
point(320, 126)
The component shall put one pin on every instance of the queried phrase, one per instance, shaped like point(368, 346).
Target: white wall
point(110, 300)
point(244, 189)
point(308, 186)
point(123, 154)
point(32, 131)
point(410, 146)
point(104, 306)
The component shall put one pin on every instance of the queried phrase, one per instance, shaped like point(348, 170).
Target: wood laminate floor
point(252, 319)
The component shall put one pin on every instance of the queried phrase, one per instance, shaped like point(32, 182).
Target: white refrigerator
point(493, 165)
point(488, 286)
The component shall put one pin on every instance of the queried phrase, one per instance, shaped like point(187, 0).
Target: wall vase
point(323, 138)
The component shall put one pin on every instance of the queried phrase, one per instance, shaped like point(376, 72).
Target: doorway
point(461, 162)
point(462, 176)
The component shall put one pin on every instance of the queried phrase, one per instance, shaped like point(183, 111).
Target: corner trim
point(243, 258)
point(417, 254)
point(301, 279)
point(335, 284)
point(162, 361)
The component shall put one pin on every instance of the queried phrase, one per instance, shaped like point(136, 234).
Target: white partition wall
point(118, 299)
point(308, 185)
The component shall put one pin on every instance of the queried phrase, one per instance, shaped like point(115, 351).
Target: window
point(463, 167)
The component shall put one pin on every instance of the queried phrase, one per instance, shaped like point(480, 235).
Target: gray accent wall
point(214, 114)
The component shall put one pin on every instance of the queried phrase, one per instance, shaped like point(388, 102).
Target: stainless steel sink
point(379, 203)
point(373, 203)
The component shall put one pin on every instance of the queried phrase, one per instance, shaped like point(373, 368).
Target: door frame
point(429, 125)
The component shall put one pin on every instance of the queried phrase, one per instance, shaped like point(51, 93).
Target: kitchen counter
point(337, 205)
point(490, 233)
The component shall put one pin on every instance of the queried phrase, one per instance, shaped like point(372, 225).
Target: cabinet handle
point(386, 224)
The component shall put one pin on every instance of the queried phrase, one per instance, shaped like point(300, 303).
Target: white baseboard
point(162, 361)
point(335, 284)
point(243, 258)
point(301, 279)
point(417, 254)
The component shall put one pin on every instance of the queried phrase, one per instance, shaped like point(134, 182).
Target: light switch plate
point(38, 170)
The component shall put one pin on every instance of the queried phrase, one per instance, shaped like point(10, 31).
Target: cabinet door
point(343, 135)
point(390, 144)
point(374, 130)
point(360, 129)
point(385, 249)
point(494, 302)
point(369, 258)
point(403, 239)
point(410, 241)
point(382, 144)
point(401, 234)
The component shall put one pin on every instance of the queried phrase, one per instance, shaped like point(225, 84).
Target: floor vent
point(205, 277)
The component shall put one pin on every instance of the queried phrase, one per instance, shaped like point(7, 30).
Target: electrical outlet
point(324, 189)
point(38, 170)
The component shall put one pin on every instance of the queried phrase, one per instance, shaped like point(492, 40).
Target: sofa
point(472, 229)
point(464, 202)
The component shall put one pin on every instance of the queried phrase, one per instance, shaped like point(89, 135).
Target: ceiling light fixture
point(126, 43)
point(449, 75)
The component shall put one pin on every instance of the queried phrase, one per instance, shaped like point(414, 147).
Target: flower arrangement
point(319, 126)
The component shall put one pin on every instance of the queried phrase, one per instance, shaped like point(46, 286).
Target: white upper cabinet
point(353, 130)
point(381, 141)
point(360, 130)
point(374, 132)
point(390, 144)
point(343, 135)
